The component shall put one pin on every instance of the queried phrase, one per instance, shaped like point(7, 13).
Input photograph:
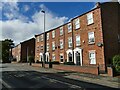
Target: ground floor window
point(92, 57)
point(61, 58)
point(53, 57)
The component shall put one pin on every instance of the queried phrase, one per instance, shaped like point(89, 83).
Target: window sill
point(90, 24)
point(91, 43)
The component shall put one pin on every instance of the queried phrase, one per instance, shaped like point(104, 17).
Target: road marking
point(5, 84)
point(71, 85)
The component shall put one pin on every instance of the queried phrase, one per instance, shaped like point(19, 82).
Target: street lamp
point(44, 41)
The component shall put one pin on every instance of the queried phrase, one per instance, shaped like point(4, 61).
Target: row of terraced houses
point(91, 39)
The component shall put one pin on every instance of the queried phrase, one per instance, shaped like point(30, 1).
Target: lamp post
point(44, 41)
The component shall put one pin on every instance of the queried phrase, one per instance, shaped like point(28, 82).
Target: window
point(92, 57)
point(41, 37)
point(69, 27)
point(47, 36)
point(53, 34)
point(53, 57)
point(91, 38)
point(47, 46)
point(70, 42)
point(61, 58)
point(77, 40)
point(61, 44)
point(61, 31)
point(38, 39)
point(53, 45)
point(41, 47)
point(77, 23)
point(90, 18)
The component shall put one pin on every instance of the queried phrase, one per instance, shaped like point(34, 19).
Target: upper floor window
point(53, 45)
point(38, 39)
point(41, 37)
point(69, 27)
point(61, 31)
point(91, 38)
point(92, 57)
point(47, 36)
point(41, 47)
point(53, 57)
point(70, 42)
point(53, 34)
point(61, 44)
point(90, 18)
point(77, 23)
point(47, 46)
point(77, 40)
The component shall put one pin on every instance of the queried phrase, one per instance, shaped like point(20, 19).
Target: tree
point(116, 62)
point(7, 44)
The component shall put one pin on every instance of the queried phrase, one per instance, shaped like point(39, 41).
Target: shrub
point(69, 63)
point(116, 62)
point(31, 59)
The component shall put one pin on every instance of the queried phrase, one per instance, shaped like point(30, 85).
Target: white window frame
point(92, 58)
point(91, 40)
point(41, 37)
point(41, 47)
point(53, 57)
point(61, 44)
point(53, 45)
point(78, 40)
point(77, 23)
point(53, 34)
point(69, 42)
point(69, 27)
point(61, 31)
point(38, 39)
point(47, 36)
point(61, 58)
point(47, 46)
point(90, 18)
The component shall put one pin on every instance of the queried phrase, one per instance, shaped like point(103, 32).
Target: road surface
point(25, 76)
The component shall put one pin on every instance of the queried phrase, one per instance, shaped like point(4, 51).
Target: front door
point(47, 58)
point(41, 58)
point(70, 57)
point(78, 58)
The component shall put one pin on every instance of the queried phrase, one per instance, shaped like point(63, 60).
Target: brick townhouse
point(91, 39)
point(26, 48)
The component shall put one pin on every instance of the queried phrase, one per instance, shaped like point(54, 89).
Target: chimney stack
point(97, 4)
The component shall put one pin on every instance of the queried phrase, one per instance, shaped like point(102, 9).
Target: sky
point(20, 21)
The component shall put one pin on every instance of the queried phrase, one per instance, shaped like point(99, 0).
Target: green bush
point(31, 59)
point(69, 63)
point(116, 62)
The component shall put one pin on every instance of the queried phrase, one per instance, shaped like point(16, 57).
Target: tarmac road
point(17, 76)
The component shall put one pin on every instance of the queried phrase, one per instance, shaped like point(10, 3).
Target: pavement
point(112, 82)
point(105, 80)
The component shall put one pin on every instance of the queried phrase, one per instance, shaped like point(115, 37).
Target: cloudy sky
point(22, 20)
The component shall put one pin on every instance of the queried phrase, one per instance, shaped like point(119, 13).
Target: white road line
point(5, 84)
point(71, 85)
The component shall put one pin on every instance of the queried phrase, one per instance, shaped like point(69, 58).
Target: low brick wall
point(110, 71)
point(83, 69)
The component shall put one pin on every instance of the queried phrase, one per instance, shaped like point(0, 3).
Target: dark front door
point(47, 58)
point(41, 58)
point(78, 58)
point(70, 57)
